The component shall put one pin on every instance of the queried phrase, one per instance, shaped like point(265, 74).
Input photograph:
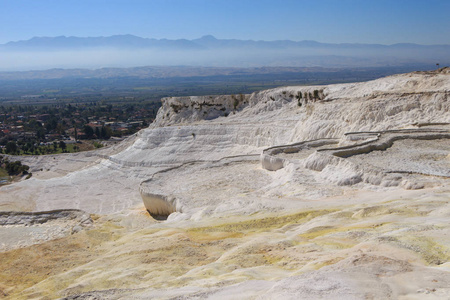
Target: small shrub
point(175, 108)
point(98, 145)
point(316, 94)
point(235, 103)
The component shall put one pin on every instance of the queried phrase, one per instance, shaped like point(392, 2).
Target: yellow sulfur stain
point(110, 255)
point(335, 244)
point(264, 224)
point(212, 236)
point(329, 262)
point(432, 252)
point(326, 230)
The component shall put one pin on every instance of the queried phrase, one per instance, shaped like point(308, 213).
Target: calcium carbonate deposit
point(312, 192)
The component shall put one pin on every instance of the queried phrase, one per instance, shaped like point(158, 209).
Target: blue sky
point(334, 21)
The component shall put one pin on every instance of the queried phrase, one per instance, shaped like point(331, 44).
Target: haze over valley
point(40, 53)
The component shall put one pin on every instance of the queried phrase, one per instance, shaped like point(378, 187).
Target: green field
point(3, 173)
point(70, 148)
point(3, 176)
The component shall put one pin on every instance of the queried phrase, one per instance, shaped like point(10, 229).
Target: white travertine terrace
point(407, 107)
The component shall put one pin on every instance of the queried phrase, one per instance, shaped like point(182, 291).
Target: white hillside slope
point(318, 192)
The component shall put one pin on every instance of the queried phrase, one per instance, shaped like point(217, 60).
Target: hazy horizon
point(399, 42)
point(380, 22)
point(52, 53)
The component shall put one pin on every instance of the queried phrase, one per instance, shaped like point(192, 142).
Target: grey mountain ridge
point(40, 53)
point(119, 41)
point(205, 42)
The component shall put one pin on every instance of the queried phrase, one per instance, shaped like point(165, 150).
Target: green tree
point(106, 132)
point(51, 124)
point(11, 147)
point(62, 145)
point(40, 133)
point(88, 131)
point(316, 94)
point(28, 147)
point(60, 129)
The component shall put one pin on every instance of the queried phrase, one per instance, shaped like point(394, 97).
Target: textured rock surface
point(312, 224)
point(22, 229)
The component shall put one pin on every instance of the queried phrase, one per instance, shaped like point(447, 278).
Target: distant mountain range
point(206, 42)
point(121, 51)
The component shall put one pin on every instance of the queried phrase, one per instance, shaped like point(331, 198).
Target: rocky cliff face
point(394, 101)
point(179, 110)
point(189, 128)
